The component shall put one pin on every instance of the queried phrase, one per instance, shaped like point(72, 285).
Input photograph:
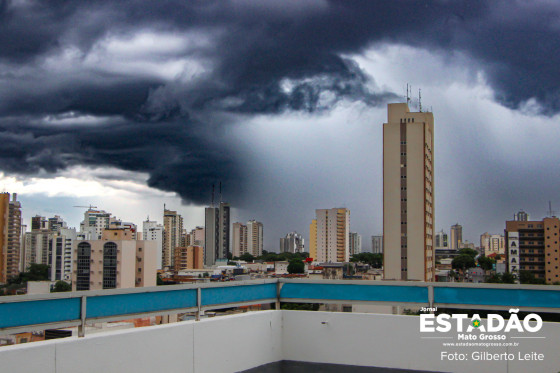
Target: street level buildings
point(408, 194)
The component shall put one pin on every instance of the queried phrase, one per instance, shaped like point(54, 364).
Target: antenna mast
point(408, 90)
point(419, 100)
point(550, 211)
point(220, 192)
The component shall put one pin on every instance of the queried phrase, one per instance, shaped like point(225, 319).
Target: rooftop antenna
point(212, 195)
point(419, 100)
point(220, 192)
point(408, 90)
point(550, 211)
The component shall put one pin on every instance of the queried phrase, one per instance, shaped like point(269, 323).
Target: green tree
point(485, 262)
point(527, 277)
point(463, 262)
point(35, 272)
point(508, 278)
point(495, 279)
point(61, 286)
point(374, 260)
point(467, 251)
point(247, 257)
point(296, 266)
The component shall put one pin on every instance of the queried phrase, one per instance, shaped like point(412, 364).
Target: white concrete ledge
point(240, 342)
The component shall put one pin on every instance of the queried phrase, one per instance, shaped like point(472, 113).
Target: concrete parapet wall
point(240, 342)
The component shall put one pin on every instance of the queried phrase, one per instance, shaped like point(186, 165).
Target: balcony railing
point(56, 310)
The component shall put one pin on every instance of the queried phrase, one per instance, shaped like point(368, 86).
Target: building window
point(110, 265)
point(83, 268)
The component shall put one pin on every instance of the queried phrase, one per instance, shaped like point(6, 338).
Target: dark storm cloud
point(258, 57)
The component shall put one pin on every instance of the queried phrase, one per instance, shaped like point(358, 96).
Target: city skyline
point(279, 105)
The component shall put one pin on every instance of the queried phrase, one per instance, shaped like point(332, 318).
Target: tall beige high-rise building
point(456, 236)
point(329, 235)
point(408, 194)
point(4, 217)
point(255, 242)
point(313, 239)
point(172, 236)
point(239, 239)
point(10, 236)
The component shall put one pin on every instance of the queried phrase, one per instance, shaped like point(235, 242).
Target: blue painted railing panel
point(498, 297)
point(237, 294)
point(123, 304)
point(39, 312)
point(379, 293)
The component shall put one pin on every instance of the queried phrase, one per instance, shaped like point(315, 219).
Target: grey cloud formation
point(157, 103)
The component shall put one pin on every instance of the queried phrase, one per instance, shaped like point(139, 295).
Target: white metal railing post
point(198, 303)
point(82, 326)
point(278, 288)
point(431, 296)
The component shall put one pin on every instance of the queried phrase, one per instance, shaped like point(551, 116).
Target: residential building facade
point(534, 246)
point(190, 257)
point(255, 240)
point(172, 236)
point(355, 243)
point(239, 239)
point(152, 231)
point(408, 195)
point(292, 243)
point(456, 236)
point(332, 235)
point(377, 244)
point(217, 233)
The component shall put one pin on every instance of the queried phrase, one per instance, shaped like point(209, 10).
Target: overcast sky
point(128, 105)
